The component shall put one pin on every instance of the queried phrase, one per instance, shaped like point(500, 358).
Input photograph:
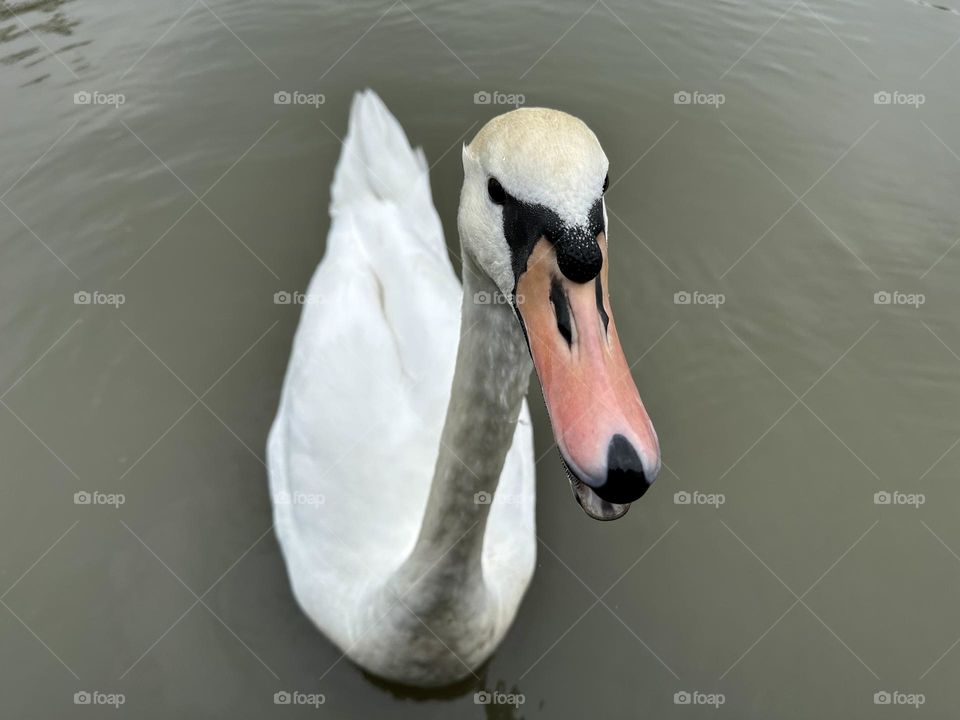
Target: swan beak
point(606, 439)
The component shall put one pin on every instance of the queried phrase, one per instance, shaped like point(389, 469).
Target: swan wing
point(351, 451)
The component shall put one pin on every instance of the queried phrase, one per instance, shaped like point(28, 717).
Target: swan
point(400, 461)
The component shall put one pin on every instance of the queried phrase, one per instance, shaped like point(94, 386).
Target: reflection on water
point(499, 702)
point(463, 688)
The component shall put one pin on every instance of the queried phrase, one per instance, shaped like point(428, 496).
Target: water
point(796, 399)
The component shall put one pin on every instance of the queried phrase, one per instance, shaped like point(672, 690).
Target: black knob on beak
point(578, 254)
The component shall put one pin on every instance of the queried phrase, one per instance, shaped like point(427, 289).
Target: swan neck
point(490, 380)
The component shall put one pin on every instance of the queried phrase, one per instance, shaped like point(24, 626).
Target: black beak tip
point(627, 480)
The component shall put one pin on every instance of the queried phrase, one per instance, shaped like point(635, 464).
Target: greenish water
point(183, 206)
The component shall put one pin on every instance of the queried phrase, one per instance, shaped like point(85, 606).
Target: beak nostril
point(604, 318)
point(561, 309)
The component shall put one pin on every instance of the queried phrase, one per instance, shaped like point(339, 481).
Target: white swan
point(403, 413)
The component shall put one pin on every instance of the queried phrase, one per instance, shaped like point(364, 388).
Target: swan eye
point(606, 183)
point(497, 194)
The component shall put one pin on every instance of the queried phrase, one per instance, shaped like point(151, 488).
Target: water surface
point(801, 396)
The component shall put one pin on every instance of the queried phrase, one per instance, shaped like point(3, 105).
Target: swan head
point(532, 217)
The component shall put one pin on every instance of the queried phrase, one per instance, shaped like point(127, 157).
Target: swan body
point(401, 461)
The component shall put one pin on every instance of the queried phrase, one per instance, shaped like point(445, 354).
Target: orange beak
point(606, 439)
